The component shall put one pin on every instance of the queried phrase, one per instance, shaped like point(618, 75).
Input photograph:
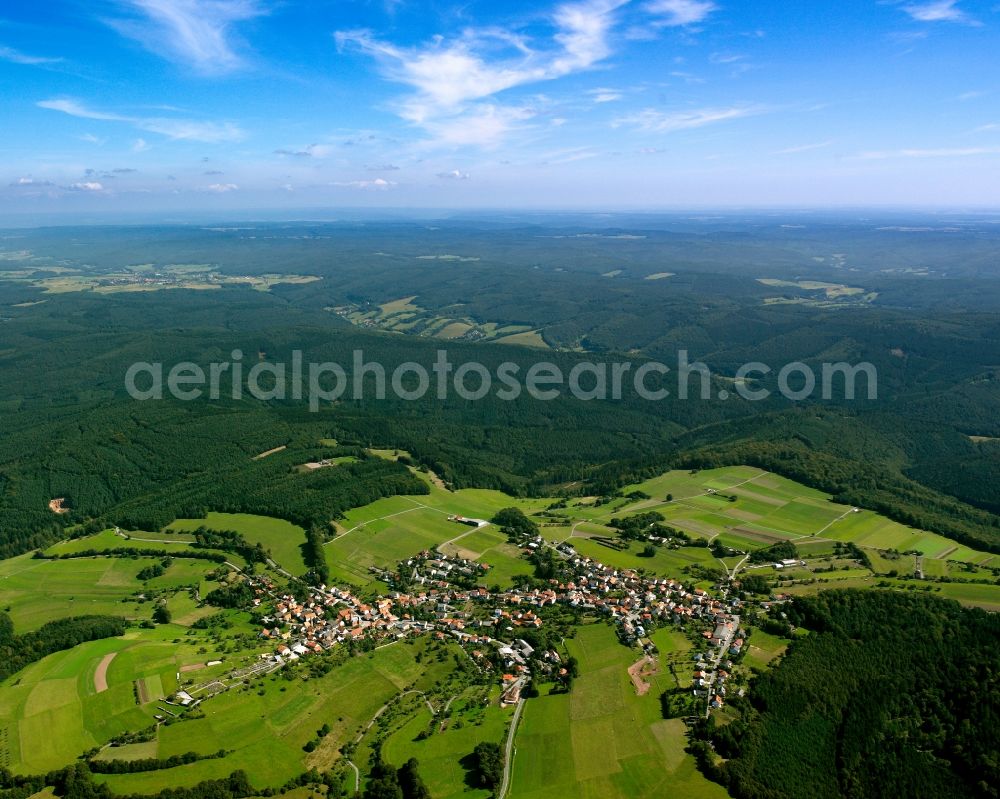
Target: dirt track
point(101, 675)
point(639, 674)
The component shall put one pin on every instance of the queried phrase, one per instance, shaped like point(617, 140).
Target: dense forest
point(922, 452)
point(890, 694)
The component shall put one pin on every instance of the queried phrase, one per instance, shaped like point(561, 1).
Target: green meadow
point(441, 755)
point(602, 741)
point(52, 710)
point(264, 725)
point(283, 540)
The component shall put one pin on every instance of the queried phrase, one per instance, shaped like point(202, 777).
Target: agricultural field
point(741, 507)
point(407, 316)
point(90, 694)
point(602, 741)
point(265, 725)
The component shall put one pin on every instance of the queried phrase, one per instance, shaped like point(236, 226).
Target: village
point(435, 599)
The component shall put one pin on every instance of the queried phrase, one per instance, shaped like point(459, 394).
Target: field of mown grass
point(52, 710)
point(602, 741)
point(283, 540)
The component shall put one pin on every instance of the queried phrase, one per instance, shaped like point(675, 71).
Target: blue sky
point(116, 105)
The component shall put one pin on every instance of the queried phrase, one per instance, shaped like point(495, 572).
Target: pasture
point(601, 741)
point(65, 693)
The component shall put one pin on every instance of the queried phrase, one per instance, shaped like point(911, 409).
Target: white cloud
point(186, 129)
point(653, 121)
point(605, 95)
point(140, 146)
point(17, 57)
point(944, 152)
point(92, 139)
point(678, 13)
point(194, 33)
point(379, 184)
point(454, 174)
point(451, 79)
point(938, 11)
point(221, 188)
point(88, 186)
point(483, 125)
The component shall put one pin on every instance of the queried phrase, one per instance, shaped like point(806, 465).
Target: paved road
point(727, 642)
point(509, 751)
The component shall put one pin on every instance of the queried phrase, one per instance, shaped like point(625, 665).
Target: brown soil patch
point(141, 691)
point(56, 505)
point(641, 672)
point(192, 667)
point(101, 675)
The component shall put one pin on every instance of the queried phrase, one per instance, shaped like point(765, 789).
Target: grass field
point(283, 540)
point(740, 506)
point(35, 591)
point(762, 648)
point(602, 741)
point(441, 755)
point(266, 725)
point(52, 710)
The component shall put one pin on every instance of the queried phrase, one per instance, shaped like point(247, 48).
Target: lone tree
point(161, 615)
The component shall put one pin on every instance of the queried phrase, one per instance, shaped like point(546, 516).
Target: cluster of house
point(433, 603)
point(636, 602)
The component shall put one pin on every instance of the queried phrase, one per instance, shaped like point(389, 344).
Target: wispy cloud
point(310, 151)
point(221, 188)
point(653, 121)
point(605, 95)
point(27, 181)
point(943, 152)
point(678, 13)
point(454, 174)
point(86, 186)
point(452, 79)
point(378, 184)
point(186, 129)
point(939, 11)
point(17, 57)
point(194, 33)
point(803, 148)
